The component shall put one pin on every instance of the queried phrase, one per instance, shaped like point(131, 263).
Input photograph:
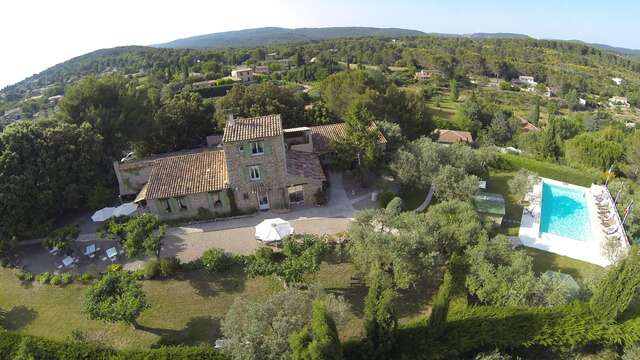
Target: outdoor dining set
point(71, 260)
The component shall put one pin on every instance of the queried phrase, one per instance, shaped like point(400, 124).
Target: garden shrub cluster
point(20, 346)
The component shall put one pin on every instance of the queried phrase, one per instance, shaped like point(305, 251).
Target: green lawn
point(543, 261)
point(185, 310)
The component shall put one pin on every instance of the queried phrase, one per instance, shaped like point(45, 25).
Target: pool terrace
point(587, 248)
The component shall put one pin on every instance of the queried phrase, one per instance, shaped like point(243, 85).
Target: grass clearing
point(186, 310)
point(544, 260)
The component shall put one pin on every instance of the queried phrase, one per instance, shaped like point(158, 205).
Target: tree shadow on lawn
point(209, 285)
point(17, 318)
point(199, 330)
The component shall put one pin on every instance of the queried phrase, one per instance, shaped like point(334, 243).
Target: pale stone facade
point(215, 204)
point(271, 167)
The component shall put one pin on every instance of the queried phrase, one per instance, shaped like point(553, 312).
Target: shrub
point(192, 265)
point(55, 280)
point(215, 260)
point(169, 267)
point(43, 278)
point(87, 277)
point(394, 207)
point(67, 278)
point(385, 197)
point(150, 269)
point(25, 276)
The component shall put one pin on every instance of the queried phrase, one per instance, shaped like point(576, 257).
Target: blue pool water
point(564, 212)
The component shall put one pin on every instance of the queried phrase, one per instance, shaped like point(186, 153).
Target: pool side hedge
point(553, 171)
point(12, 344)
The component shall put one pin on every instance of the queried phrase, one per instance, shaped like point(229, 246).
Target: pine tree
point(380, 320)
point(534, 115)
point(614, 293)
point(320, 340)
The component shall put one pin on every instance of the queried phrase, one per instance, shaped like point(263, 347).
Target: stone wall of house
point(193, 202)
point(310, 187)
point(272, 167)
point(132, 176)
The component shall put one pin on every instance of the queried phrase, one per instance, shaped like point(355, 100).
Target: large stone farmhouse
point(258, 166)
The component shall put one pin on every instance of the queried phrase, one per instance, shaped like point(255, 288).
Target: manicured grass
point(186, 310)
point(553, 171)
point(543, 261)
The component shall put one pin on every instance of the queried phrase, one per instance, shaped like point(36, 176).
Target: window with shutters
point(257, 148)
point(182, 204)
point(296, 194)
point(254, 172)
point(166, 205)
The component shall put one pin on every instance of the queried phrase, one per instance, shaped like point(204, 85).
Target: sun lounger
point(610, 231)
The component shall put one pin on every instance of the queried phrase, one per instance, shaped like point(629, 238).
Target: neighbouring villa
point(446, 136)
point(571, 220)
point(255, 165)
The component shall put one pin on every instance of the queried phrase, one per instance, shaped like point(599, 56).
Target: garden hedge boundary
point(46, 349)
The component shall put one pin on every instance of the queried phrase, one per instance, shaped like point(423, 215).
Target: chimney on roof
point(230, 120)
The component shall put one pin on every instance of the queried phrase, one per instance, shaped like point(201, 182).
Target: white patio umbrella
point(103, 214)
point(271, 230)
point(125, 209)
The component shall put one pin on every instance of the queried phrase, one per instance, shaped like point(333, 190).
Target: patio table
point(90, 250)
point(68, 261)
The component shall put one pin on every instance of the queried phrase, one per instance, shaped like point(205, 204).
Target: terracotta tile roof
point(324, 135)
point(453, 136)
point(188, 174)
point(527, 126)
point(252, 128)
point(304, 164)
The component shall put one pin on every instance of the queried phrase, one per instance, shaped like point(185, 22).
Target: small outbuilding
point(490, 206)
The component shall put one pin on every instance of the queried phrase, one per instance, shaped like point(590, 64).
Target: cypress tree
point(320, 340)
point(380, 321)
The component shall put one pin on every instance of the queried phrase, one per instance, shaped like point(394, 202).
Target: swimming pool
point(564, 212)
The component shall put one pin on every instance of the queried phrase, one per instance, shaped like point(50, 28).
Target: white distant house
point(243, 74)
point(548, 93)
point(619, 101)
point(582, 101)
point(617, 81)
point(527, 80)
point(422, 75)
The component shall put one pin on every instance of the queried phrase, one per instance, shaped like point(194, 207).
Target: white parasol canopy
point(126, 209)
point(109, 212)
point(103, 214)
point(271, 230)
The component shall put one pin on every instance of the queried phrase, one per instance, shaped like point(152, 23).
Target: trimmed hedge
point(11, 344)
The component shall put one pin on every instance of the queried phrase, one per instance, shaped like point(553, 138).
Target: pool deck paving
point(589, 250)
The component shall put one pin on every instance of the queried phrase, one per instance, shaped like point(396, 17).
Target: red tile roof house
point(258, 166)
point(446, 136)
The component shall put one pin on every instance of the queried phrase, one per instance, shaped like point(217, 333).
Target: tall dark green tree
point(319, 340)
point(115, 107)
point(380, 321)
point(46, 168)
point(534, 114)
point(182, 122)
point(615, 292)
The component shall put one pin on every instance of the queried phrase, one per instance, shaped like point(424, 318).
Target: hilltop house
point(617, 80)
point(243, 74)
point(261, 69)
point(527, 80)
point(257, 166)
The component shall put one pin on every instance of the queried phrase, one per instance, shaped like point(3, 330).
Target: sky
point(37, 34)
